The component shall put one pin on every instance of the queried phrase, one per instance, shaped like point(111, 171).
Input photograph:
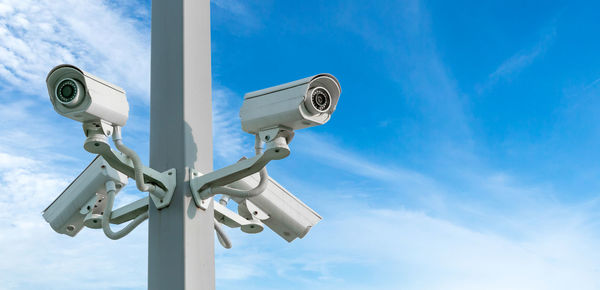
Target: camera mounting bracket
point(130, 211)
point(200, 184)
point(222, 215)
point(97, 143)
point(269, 135)
point(98, 126)
point(234, 220)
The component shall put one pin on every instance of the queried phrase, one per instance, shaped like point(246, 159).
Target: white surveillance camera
point(300, 104)
point(277, 208)
point(81, 203)
point(83, 97)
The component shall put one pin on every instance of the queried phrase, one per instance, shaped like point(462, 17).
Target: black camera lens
point(321, 99)
point(67, 91)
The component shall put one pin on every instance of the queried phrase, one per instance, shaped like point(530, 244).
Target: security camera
point(300, 104)
point(277, 208)
point(83, 97)
point(81, 204)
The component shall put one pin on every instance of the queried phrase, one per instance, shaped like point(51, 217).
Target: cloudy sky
point(463, 154)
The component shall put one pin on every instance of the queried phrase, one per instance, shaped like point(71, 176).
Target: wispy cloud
point(456, 255)
point(380, 175)
point(407, 249)
point(592, 84)
point(38, 158)
point(536, 244)
point(331, 153)
point(235, 7)
point(27, 187)
point(239, 17)
point(425, 83)
point(521, 60)
point(231, 143)
point(37, 162)
point(37, 35)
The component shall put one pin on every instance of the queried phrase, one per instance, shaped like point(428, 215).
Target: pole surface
point(181, 237)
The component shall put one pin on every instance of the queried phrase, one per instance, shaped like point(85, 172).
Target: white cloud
point(37, 35)
point(235, 7)
point(486, 230)
point(424, 82)
point(239, 17)
point(362, 247)
point(28, 244)
point(520, 60)
point(230, 142)
point(409, 246)
point(331, 153)
point(31, 129)
point(38, 157)
point(377, 171)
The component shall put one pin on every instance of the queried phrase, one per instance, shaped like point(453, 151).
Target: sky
point(462, 154)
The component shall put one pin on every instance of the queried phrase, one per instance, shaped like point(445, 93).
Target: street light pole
point(181, 237)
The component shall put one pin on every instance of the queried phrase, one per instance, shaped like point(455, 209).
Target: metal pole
point(181, 237)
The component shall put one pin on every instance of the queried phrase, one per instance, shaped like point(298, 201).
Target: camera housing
point(277, 208)
point(84, 97)
point(299, 104)
point(81, 204)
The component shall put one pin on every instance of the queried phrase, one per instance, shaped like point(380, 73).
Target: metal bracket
point(171, 180)
point(130, 211)
point(95, 127)
point(200, 203)
point(269, 135)
point(234, 220)
point(97, 144)
point(222, 214)
point(200, 184)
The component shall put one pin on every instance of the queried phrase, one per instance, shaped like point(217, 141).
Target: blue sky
point(463, 153)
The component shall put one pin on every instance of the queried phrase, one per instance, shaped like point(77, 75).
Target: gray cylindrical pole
point(181, 238)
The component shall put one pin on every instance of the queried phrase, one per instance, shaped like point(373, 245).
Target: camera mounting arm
point(160, 184)
point(110, 189)
point(206, 186)
point(138, 210)
point(129, 211)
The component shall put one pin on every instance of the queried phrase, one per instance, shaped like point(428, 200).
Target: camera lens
point(68, 92)
point(321, 99)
